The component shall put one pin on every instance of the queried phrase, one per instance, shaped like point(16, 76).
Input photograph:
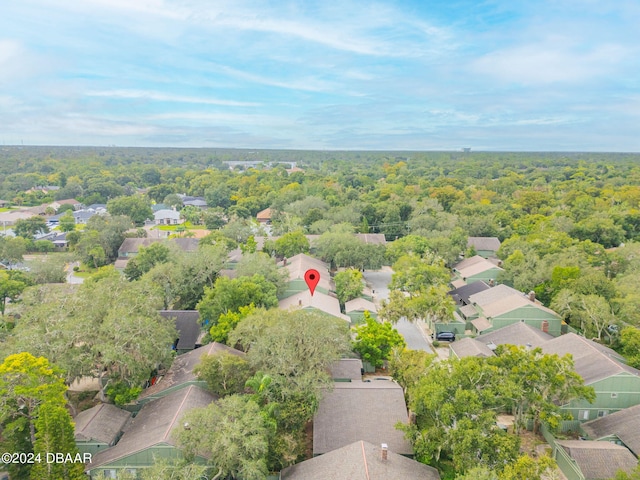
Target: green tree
point(110, 326)
point(233, 433)
point(12, 249)
point(228, 321)
point(630, 343)
point(349, 284)
point(54, 433)
point(30, 227)
point(67, 222)
point(295, 350)
point(224, 372)
point(228, 295)
point(374, 341)
point(26, 383)
point(538, 383)
point(291, 243)
point(262, 264)
point(10, 289)
point(146, 259)
point(136, 207)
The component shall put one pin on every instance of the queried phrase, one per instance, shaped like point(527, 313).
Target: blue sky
point(558, 75)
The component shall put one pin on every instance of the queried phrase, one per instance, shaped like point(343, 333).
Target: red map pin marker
point(312, 277)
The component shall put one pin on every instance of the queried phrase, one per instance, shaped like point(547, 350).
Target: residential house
point(360, 460)
point(355, 309)
point(188, 326)
point(486, 247)
point(622, 428)
point(150, 435)
point(518, 333)
point(502, 305)
point(180, 375)
point(264, 216)
point(195, 202)
point(131, 246)
point(361, 411)
point(469, 347)
point(617, 386)
point(593, 460)
point(297, 266)
point(461, 294)
point(167, 217)
point(67, 201)
point(99, 427)
point(476, 268)
point(318, 301)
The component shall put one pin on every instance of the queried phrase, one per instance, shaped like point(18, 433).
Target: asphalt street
point(379, 282)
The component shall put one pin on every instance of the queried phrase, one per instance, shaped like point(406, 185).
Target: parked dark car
point(446, 336)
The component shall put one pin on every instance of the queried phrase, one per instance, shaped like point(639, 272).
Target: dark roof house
point(188, 326)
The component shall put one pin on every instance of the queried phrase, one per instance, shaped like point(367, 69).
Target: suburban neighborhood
point(176, 333)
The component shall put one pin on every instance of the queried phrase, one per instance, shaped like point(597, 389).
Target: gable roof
point(365, 411)
point(360, 305)
point(102, 423)
point(154, 424)
point(264, 214)
point(470, 347)
point(501, 299)
point(473, 266)
point(484, 243)
point(592, 362)
point(519, 333)
point(599, 460)
point(624, 424)
point(188, 326)
point(181, 370)
point(360, 460)
point(171, 214)
point(299, 264)
point(461, 294)
point(319, 301)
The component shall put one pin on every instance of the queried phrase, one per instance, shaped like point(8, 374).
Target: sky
point(498, 75)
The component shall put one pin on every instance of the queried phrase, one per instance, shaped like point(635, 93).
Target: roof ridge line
point(175, 417)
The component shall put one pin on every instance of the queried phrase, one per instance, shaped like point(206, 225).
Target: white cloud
point(165, 97)
point(546, 63)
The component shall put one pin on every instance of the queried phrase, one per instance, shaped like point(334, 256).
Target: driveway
point(71, 278)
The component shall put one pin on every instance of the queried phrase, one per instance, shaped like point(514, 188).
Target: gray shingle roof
point(365, 411)
point(154, 424)
point(599, 460)
point(469, 347)
point(346, 368)
point(518, 333)
point(624, 424)
point(360, 460)
point(592, 362)
point(484, 243)
point(102, 423)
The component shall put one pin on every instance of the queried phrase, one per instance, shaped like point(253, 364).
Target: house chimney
point(384, 450)
point(299, 302)
point(284, 262)
point(492, 282)
point(545, 326)
point(532, 296)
